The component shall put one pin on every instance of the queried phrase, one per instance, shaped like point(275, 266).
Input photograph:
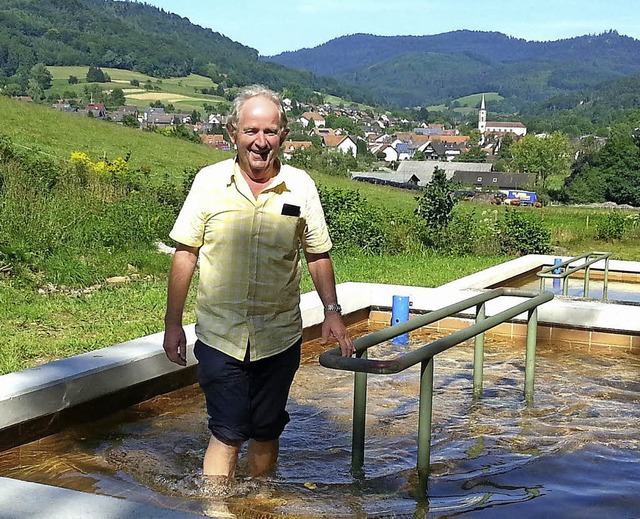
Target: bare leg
point(220, 459)
point(262, 456)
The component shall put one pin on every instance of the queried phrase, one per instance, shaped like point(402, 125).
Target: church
point(498, 128)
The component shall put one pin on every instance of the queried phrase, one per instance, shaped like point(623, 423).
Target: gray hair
point(249, 93)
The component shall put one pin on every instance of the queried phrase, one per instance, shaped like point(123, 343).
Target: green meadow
point(184, 93)
point(467, 104)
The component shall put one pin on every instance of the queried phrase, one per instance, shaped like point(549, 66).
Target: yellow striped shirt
point(249, 287)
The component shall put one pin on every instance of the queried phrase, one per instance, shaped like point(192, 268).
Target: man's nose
point(261, 139)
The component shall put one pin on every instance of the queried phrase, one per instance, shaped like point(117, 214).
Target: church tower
point(482, 117)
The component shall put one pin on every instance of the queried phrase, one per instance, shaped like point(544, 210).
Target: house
point(159, 120)
point(289, 147)
point(63, 107)
point(181, 118)
point(343, 143)
point(424, 169)
point(404, 151)
point(215, 141)
point(217, 119)
point(420, 172)
point(493, 179)
point(311, 119)
point(152, 111)
point(123, 111)
point(202, 127)
point(429, 131)
point(438, 150)
point(97, 110)
point(385, 151)
point(322, 132)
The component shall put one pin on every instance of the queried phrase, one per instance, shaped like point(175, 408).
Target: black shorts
point(246, 400)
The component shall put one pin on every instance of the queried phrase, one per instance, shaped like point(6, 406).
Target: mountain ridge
point(469, 61)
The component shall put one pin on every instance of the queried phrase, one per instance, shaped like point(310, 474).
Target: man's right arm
point(183, 266)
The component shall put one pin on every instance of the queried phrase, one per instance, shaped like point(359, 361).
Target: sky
point(275, 26)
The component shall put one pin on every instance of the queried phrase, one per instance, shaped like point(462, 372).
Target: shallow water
point(616, 290)
point(574, 453)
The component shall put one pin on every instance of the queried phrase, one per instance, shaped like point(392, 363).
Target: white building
point(498, 128)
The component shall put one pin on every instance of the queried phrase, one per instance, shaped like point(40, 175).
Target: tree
point(547, 156)
point(619, 161)
point(504, 151)
point(96, 75)
point(73, 80)
point(474, 136)
point(344, 123)
point(435, 205)
point(34, 90)
point(422, 114)
point(117, 98)
point(12, 89)
point(130, 121)
point(475, 154)
point(94, 93)
point(41, 76)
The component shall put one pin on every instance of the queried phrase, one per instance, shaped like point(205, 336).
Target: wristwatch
point(333, 308)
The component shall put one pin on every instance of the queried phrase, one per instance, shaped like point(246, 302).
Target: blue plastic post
point(400, 314)
point(557, 261)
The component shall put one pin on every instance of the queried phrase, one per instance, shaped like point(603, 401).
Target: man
point(245, 219)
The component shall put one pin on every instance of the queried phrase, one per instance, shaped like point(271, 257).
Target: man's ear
point(232, 134)
point(283, 135)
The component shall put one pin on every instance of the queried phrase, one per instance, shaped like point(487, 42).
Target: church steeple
point(482, 117)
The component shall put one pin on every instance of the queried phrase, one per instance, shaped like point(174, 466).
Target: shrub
point(137, 218)
point(521, 234)
point(435, 205)
point(611, 227)
point(90, 212)
point(353, 223)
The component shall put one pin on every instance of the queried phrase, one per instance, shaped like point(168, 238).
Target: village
point(404, 158)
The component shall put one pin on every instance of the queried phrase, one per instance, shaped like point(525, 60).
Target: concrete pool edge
point(48, 502)
point(59, 385)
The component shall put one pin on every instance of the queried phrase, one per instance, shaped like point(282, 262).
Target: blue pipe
point(400, 314)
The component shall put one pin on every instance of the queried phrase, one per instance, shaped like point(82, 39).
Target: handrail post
point(424, 418)
point(605, 286)
point(359, 417)
point(587, 273)
point(530, 360)
point(478, 354)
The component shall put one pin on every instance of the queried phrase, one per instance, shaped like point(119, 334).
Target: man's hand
point(333, 326)
point(175, 344)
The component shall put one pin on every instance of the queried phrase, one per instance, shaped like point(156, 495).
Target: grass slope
point(58, 134)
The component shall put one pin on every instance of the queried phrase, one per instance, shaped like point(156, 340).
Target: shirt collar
point(238, 179)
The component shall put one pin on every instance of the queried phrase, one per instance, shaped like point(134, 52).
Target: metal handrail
point(589, 259)
point(361, 365)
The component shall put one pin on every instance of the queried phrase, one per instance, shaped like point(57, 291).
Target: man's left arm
point(321, 270)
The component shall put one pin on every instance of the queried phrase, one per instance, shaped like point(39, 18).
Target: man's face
point(258, 138)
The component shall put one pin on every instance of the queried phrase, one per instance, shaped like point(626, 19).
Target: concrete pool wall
point(41, 400)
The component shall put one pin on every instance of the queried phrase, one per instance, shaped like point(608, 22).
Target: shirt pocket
point(285, 232)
